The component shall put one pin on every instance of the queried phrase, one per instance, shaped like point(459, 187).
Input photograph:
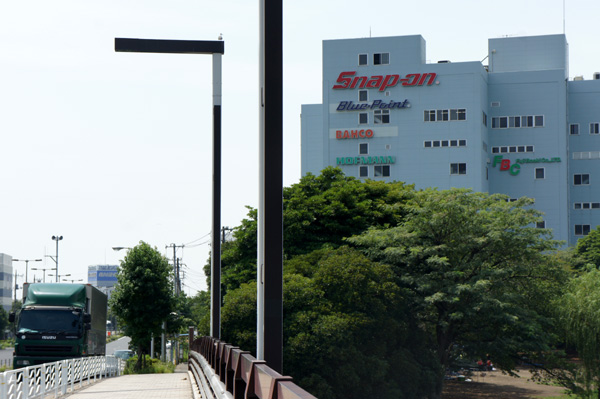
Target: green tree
point(200, 312)
point(319, 211)
point(478, 272)
point(4, 324)
point(579, 315)
point(143, 297)
point(588, 248)
point(348, 331)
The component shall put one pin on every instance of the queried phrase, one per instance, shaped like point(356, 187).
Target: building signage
point(365, 160)
point(376, 104)
point(354, 134)
point(347, 80)
point(515, 168)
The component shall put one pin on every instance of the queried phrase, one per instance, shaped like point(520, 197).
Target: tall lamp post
point(55, 259)
point(62, 275)
point(216, 48)
point(26, 264)
point(44, 270)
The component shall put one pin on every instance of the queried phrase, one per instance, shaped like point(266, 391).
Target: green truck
point(59, 321)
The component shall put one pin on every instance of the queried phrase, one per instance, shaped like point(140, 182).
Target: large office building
point(513, 124)
point(6, 282)
point(104, 277)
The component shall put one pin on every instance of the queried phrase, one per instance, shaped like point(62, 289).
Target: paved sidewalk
point(140, 386)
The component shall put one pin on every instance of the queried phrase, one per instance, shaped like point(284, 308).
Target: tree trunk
point(138, 364)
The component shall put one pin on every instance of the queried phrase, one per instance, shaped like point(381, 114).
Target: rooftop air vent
point(596, 75)
point(578, 78)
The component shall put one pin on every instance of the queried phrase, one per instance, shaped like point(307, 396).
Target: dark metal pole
point(216, 228)
point(217, 49)
point(272, 103)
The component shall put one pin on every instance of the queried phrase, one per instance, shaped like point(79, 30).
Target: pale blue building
point(512, 124)
point(6, 282)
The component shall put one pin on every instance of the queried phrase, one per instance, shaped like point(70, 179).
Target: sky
point(109, 149)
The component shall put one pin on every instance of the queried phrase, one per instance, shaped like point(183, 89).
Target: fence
point(226, 372)
point(57, 378)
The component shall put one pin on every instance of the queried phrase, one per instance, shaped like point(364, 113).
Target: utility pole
point(16, 285)
point(223, 230)
point(176, 281)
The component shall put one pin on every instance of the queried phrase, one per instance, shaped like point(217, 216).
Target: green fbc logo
point(515, 168)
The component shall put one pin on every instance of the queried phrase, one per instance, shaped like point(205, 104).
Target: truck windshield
point(49, 320)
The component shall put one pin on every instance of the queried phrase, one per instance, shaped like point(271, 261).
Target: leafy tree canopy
point(478, 273)
point(579, 315)
point(588, 248)
point(348, 330)
point(319, 211)
point(143, 297)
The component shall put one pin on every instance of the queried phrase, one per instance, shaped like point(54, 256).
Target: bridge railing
point(57, 378)
point(228, 372)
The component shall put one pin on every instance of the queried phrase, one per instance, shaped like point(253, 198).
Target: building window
point(484, 118)
point(382, 170)
point(574, 128)
point(442, 115)
point(363, 171)
point(512, 148)
point(458, 168)
point(503, 122)
point(429, 115)
point(540, 173)
point(458, 114)
point(541, 225)
point(527, 121)
point(363, 95)
point(381, 58)
point(363, 149)
point(582, 229)
point(382, 116)
point(363, 118)
point(539, 120)
point(427, 144)
point(595, 128)
point(581, 179)
point(362, 59)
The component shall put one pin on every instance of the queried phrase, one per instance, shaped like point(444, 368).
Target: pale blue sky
point(109, 149)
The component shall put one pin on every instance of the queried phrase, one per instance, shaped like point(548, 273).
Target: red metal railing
point(242, 374)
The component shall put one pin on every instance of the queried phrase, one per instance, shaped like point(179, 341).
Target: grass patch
point(153, 366)
point(7, 343)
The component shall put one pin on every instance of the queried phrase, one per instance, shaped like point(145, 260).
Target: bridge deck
point(140, 386)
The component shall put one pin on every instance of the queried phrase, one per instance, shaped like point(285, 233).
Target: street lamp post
point(59, 276)
point(216, 48)
point(72, 281)
point(55, 259)
point(26, 264)
point(43, 269)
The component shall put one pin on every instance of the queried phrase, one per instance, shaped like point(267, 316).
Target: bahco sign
point(347, 80)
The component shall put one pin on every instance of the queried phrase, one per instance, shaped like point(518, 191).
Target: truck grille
point(49, 348)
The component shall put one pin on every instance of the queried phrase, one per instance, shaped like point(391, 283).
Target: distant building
point(6, 281)
point(104, 277)
point(516, 126)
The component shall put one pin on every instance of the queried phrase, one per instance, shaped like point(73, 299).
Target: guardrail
point(226, 372)
point(58, 378)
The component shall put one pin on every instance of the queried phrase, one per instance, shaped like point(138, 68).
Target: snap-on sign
point(347, 80)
